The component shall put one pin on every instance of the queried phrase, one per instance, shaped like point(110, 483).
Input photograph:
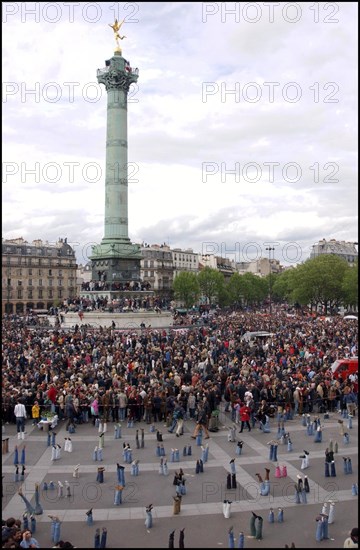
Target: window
point(19, 283)
point(60, 273)
point(19, 294)
point(40, 282)
point(50, 282)
point(30, 282)
point(60, 283)
point(40, 293)
point(30, 294)
point(40, 272)
point(60, 293)
point(50, 293)
point(50, 272)
point(9, 282)
point(30, 271)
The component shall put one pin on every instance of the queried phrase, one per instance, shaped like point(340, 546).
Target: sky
point(242, 128)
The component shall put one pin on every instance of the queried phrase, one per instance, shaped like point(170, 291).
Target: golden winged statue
point(116, 27)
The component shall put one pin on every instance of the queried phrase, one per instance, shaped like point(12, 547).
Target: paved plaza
point(202, 506)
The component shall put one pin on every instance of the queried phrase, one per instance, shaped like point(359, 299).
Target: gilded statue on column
point(116, 27)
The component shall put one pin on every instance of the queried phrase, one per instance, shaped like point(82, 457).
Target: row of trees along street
point(326, 281)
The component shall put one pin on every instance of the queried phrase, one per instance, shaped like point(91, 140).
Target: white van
point(252, 337)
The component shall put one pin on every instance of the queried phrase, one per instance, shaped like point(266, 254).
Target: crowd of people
point(143, 374)
point(168, 375)
point(14, 536)
point(102, 285)
point(119, 305)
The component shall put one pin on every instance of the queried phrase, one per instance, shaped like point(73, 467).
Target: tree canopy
point(186, 288)
point(211, 283)
point(318, 281)
point(326, 281)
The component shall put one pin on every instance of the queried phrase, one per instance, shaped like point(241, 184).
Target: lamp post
point(8, 285)
point(269, 249)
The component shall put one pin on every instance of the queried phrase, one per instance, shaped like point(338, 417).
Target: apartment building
point(36, 275)
point(156, 268)
point(185, 260)
point(343, 249)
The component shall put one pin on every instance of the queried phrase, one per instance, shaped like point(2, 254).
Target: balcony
point(103, 71)
point(128, 69)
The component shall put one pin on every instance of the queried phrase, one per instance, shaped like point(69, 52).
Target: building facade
point(345, 250)
point(225, 266)
point(207, 260)
point(261, 267)
point(157, 269)
point(83, 277)
point(184, 260)
point(37, 275)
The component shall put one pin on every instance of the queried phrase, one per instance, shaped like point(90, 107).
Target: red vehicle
point(342, 368)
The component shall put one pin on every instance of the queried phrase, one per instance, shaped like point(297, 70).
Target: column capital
point(114, 80)
point(118, 74)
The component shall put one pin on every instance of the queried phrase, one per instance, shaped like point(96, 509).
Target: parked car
point(344, 367)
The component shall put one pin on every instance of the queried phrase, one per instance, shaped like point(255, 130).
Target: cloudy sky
point(242, 128)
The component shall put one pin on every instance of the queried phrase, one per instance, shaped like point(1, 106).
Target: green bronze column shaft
point(117, 79)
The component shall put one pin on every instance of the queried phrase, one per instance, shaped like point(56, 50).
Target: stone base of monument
point(122, 321)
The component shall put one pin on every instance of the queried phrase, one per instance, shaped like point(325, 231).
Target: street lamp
point(270, 248)
point(8, 306)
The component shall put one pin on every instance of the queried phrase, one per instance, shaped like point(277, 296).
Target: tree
point(350, 286)
point(224, 297)
point(319, 281)
point(284, 284)
point(236, 288)
point(247, 289)
point(186, 288)
point(211, 283)
point(255, 288)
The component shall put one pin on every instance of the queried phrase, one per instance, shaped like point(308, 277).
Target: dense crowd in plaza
point(155, 375)
point(142, 374)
